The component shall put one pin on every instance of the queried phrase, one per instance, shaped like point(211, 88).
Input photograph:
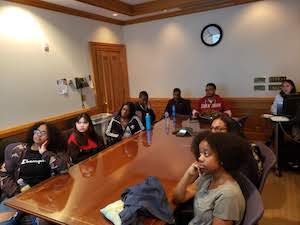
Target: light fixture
point(115, 14)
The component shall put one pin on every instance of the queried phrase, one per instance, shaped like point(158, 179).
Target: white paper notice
point(62, 86)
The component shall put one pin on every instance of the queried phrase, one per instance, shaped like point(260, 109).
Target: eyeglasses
point(218, 129)
point(40, 132)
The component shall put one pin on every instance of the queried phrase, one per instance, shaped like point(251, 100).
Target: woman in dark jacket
point(125, 124)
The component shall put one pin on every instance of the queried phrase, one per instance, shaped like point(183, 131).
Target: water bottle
point(148, 121)
point(173, 111)
point(167, 122)
point(148, 137)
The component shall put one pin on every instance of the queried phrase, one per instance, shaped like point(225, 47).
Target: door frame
point(96, 46)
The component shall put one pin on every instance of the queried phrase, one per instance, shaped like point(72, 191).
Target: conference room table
point(77, 196)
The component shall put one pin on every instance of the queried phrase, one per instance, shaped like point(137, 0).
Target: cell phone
point(185, 131)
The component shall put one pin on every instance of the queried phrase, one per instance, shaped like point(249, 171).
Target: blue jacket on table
point(145, 199)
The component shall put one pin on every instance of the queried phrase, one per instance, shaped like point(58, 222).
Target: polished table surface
point(76, 197)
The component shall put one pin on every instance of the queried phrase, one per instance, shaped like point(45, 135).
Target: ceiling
point(125, 12)
point(134, 2)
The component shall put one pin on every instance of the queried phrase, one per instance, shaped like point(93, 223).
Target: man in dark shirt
point(143, 107)
point(182, 106)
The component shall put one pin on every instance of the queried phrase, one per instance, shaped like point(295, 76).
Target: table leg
point(276, 148)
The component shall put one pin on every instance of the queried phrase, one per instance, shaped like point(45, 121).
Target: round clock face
point(211, 34)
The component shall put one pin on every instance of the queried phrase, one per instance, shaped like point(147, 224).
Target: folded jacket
point(145, 199)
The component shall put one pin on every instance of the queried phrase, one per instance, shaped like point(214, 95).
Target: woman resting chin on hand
point(218, 199)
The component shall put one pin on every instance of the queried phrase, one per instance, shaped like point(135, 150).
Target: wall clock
point(211, 34)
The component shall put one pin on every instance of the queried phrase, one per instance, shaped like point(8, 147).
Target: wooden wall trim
point(185, 10)
point(113, 5)
point(185, 6)
point(58, 120)
point(67, 10)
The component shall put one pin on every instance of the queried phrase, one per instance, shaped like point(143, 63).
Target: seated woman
point(284, 156)
point(218, 198)
point(83, 142)
point(125, 124)
point(253, 166)
point(27, 164)
point(287, 87)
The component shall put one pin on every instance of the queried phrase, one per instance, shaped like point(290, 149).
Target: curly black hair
point(231, 150)
point(131, 107)
point(232, 126)
point(81, 138)
point(55, 140)
point(196, 141)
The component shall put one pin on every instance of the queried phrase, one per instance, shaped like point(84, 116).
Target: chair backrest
point(254, 205)
point(3, 143)
point(65, 135)
point(242, 121)
point(269, 162)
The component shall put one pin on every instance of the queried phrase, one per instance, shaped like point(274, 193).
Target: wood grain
point(75, 198)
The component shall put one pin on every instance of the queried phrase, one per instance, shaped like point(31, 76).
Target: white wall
point(260, 39)
point(29, 74)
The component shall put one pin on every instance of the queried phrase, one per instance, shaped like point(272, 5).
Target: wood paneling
point(158, 5)
point(61, 121)
point(256, 127)
point(67, 10)
point(114, 5)
point(110, 74)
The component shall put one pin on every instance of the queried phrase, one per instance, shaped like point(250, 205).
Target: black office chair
point(242, 121)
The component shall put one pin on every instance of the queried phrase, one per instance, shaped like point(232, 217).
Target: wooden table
point(76, 197)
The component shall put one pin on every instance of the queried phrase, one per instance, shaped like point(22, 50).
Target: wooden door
point(111, 77)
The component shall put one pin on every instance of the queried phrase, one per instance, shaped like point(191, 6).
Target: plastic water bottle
point(149, 137)
point(173, 111)
point(148, 121)
point(167, 123)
